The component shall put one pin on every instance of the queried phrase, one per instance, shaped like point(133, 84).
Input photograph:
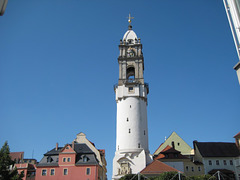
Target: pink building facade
point(75, 161)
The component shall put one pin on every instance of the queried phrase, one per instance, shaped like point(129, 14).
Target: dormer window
point(49, 159)
point(85, 159)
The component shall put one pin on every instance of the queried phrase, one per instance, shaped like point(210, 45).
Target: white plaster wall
point(208, 167)
point(139, 91)
point(137, 160)
point(135, 110)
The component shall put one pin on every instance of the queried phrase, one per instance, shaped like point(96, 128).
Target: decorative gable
point(67, 149)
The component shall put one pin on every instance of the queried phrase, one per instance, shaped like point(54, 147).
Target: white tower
point(132, 153)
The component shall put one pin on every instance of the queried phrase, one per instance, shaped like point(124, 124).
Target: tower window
point(173, 145)
point(131, 73)
point(138, 145)
point(217, 162)
point(144, 132)
point(118, 147)
point(130, 106)
point(130, 89)
point(129, 131)
point(127, 119)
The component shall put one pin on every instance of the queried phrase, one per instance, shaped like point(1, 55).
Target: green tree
point(7, 172)
point(131, 177)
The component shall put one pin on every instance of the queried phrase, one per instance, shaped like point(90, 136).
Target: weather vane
point(130, 18)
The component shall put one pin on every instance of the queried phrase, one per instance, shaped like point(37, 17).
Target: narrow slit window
point(129, 131)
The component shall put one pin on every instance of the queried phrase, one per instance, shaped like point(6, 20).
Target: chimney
point(56, 147)
point(73, 145)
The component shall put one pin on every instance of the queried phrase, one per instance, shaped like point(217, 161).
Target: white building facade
point(132, 153)
point(233, 13)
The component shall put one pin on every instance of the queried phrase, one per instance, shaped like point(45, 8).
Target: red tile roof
point(157, 167)
point(16, 155)
point(158, 148)
point(162, 155)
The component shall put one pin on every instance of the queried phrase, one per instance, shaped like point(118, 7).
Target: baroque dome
point(130, 36)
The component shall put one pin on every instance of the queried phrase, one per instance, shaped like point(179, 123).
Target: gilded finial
point(130, 19)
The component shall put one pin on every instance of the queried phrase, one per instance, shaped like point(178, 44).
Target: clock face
point(130, 52)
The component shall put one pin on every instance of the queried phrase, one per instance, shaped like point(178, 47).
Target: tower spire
point(129, 21)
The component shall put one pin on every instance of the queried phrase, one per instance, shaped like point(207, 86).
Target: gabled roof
point(82, 150)
point(170, 153)
point(53, 151)
point(157, 167)
point(175, 141)
point(217, 149)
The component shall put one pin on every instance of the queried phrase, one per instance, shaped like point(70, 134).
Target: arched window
point(131, 73)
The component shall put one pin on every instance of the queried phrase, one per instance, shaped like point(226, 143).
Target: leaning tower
point(132, 153)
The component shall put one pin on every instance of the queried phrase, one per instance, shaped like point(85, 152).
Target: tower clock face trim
point(130, 52)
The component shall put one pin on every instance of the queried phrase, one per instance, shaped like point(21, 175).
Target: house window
point(65, 171)
point(192, 169)
point(225, 162)
point(217, 162)
point(178, 144)
point(68, 159)
point(88, 171)
point(67, 147)
point(210, 162)
point(57, 160)
point(44, 172)
point(64, 159)
point(52, 172)
point(85, 159)
point(199, 168)
point(49, 159)
point(186, 168)
point(231, 162)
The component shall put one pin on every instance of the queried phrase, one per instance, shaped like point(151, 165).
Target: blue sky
point(58, 65)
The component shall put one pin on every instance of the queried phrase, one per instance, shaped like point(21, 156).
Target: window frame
point(45, 174)
point(210, 162)
point(65, 174)
point(51, 172)
point(88, 171)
